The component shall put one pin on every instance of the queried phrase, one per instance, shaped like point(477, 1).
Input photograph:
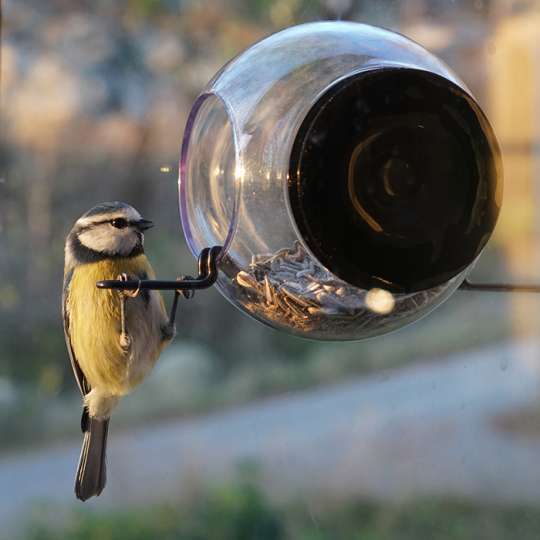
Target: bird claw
point(186, 293)
point(131, 294)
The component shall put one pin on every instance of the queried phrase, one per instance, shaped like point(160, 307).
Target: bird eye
point(119, 223)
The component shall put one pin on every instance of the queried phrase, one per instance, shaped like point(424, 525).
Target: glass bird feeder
point(349, 176)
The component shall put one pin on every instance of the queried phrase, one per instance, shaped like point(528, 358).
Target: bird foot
point(130, 294)
point(188, 294)
point(125, 338)
point(169, 330)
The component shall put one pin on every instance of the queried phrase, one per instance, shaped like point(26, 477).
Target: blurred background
point(242, 432)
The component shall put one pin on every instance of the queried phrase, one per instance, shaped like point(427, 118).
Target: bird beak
point(144, 224)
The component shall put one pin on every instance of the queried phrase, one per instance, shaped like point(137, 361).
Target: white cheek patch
point(106, 239)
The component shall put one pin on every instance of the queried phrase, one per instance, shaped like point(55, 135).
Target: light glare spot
point(239, 173)
point(165, 169)
point(380, 301)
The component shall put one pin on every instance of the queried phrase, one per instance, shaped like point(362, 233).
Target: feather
point(79, 376)
point(91, 472)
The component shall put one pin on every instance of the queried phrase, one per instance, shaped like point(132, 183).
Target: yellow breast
point(94, 321)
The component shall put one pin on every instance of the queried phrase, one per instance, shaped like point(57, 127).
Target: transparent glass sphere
point(349, 175)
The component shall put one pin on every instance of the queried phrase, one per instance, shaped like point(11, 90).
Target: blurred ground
point(427, 430)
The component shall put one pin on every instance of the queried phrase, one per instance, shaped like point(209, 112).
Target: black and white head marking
point(108, 230)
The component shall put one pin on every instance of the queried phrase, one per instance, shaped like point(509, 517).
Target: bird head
point(112, 229)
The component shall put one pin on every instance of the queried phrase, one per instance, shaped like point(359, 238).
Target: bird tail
point(91, 472)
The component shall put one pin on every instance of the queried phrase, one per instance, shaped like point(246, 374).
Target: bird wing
point(82, 383)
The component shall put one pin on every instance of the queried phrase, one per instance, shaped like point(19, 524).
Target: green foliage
point(240, 511)
point(147, 8)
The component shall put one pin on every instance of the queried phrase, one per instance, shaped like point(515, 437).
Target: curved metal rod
point(498, 287)
point(208, 274)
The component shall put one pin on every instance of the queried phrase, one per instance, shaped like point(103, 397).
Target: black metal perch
point(498, 287)
point(207, 277)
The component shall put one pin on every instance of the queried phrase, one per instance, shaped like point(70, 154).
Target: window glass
point(241, 431)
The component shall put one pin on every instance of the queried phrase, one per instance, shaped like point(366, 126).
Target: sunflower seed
point(268, 290)
point(247, 280)
point(313, 287)
point(299, 299)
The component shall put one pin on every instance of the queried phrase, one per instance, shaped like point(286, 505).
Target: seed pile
point(289, 287)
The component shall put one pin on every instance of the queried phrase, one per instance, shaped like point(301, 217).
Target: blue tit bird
point(113, 338)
